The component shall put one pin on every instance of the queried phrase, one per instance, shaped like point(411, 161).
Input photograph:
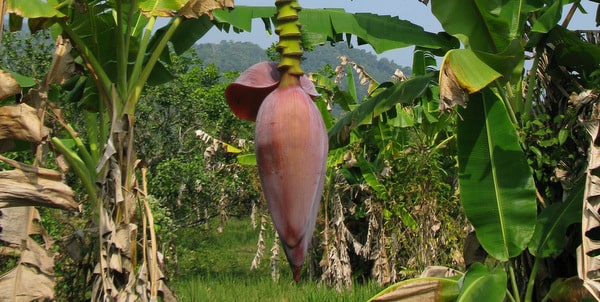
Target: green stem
point(81, 149)
point(79, 168)
point(129, 25)
point(135, 92)
point(531, 282)
point(513, 282)
point(510, 296)
point(506, 101)
point(139, 60)
point(91, 124)
point(443, 143)
point(121, 52)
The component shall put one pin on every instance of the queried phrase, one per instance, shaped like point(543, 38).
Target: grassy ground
point(216, 267)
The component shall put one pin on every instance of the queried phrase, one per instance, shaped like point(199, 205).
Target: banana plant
point(498, 193)
point(121, 51)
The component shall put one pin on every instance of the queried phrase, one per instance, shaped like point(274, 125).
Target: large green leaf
point(481, 24)
point(471, 73)
point(403, 92)
point(381, 32)
point(479, 284)
point(32, 9)
point(549, 237)
point(322, 25)
point(497, 190)
point(40, 14)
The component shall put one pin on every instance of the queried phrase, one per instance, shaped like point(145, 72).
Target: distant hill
point(237, 56)
point(231, 56)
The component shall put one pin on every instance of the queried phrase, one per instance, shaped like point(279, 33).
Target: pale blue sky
point(411, 10)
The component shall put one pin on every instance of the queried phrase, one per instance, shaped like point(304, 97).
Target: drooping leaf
point(420, 289)
point(322, 25)
point(550, 237)
point(381, 32)
point(403, 92)
point(497, 190)
point(15, 22)
point(160, 8)
point(198, 8)
point(462, 71)
point(481, 284)
point(21, 122)
point(32, 9)
point(33, 186)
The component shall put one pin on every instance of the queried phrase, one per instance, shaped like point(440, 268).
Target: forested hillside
point(237, 56)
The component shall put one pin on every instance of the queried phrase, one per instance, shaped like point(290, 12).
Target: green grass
point(216, 267)
point(228, 288)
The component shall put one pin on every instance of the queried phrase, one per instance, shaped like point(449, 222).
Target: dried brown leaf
point(439, 272)
point(33, 277)
point(21, 122)
point(451, 93)
point(32, 286)
point(587, 256)
point(63, 66)
point(8, 85)
point(260, 245)
point(196, 8)
point(20, 188)
point(415, 290)
point(14, 225)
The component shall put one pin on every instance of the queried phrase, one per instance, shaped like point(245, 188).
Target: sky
point(410, 10)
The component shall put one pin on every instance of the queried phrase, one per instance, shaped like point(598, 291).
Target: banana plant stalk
point(291, 141)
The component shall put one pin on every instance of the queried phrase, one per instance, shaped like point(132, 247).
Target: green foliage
point(497, 189)
point(27, 54)
point(187, 172)
point(381, 32)
point(392, 150)
point(480, 281)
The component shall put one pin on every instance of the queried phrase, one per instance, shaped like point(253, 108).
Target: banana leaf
point(496, 185)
